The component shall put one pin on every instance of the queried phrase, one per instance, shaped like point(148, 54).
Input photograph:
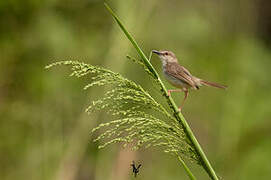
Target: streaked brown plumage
point(179, 76)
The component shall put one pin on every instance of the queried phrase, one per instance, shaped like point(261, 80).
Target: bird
point(179, 76)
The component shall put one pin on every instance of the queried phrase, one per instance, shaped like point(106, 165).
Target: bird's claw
point(168, 93)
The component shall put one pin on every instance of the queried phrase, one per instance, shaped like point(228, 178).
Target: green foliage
point(140, 119)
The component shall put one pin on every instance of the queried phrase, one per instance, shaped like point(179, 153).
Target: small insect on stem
point(135, 169)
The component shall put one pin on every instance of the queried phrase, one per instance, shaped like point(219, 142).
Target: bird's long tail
point(213, 84)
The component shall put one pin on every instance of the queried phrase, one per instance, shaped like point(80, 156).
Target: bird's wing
point(179, 72)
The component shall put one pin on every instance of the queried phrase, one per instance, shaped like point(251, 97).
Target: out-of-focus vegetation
point(43, 127)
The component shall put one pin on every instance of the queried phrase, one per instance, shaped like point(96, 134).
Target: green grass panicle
point(133, 107)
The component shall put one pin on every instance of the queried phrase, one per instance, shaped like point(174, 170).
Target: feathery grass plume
point(133, 107)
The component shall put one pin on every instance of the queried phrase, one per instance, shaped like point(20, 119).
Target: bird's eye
point(166, 53)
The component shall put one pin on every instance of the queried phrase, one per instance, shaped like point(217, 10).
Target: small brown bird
point(180, 77)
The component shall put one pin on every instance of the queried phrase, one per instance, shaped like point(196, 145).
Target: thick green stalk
point(204, 161)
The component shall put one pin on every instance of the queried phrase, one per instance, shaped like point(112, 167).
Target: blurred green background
point(45, 133)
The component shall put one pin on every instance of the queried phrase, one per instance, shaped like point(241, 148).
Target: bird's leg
point(185, 96)
point(173, 90)
point(150, 56)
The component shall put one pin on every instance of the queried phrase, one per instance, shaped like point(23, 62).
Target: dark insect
point(135, 169)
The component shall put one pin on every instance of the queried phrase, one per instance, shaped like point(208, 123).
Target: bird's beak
point(156, 52)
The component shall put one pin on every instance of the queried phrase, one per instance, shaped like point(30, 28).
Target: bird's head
point(166, 56)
